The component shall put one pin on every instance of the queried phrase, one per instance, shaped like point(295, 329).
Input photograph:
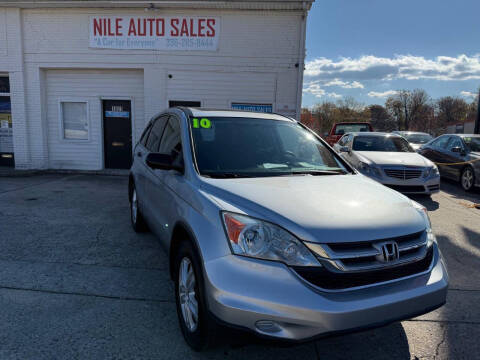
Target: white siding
point(220, 89)
point(46, 53)
point(90, 86)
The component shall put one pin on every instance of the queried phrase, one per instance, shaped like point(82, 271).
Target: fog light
point(268, 326)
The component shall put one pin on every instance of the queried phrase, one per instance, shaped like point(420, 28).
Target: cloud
point(468, 94)
point(369, 67)
point(382, 94)
point(316, 90)
point(344, 84)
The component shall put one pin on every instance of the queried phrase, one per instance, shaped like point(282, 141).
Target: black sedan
point(457, 157)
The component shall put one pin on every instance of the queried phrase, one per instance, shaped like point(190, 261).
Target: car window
point(381, 143)
point(171, 143)
point(343, 140)
point(341, 129)
point(472, 143)
point(454, 142)
point(441, 142)
point(251, 147)
point(144, 137)
point(153, 141)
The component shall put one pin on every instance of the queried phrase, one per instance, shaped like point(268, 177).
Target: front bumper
point(412, 186)
point(242, 291)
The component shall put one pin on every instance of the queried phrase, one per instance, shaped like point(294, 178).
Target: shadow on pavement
point(454, 189)
point(369, 344)
point(426, 201)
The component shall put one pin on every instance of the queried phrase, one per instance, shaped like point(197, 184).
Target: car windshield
point(381, 143)
point(418, 138)
point(473, 143)
point(228, 147)
point(341, 129)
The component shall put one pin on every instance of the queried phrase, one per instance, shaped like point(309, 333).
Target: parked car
point(339, 129)
point(267, 229)
point(457, 157)
point(390, 160)
point(415, 139)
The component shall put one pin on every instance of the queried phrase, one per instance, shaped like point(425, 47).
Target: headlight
point(369, 170)
point(260, 239)
point(431, 172)
point(428, 225)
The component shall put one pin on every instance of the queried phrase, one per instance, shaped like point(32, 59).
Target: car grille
point(366, 260)
point(324, 279)
point(403, 173)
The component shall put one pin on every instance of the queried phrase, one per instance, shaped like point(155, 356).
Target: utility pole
point(477, 120)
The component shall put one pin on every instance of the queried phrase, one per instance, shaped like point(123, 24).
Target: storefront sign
point(155, 32)
point(265, 108)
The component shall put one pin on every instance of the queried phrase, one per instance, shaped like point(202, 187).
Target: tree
point(450, 111)
point(395, 110)
point(408, 108)
point(325, 115)
point(381, 119)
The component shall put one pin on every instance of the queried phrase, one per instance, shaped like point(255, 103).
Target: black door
point(117, 129)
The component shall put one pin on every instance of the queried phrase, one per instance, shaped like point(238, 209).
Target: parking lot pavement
point(77, 282)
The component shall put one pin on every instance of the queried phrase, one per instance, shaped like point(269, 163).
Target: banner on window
point(155, 32)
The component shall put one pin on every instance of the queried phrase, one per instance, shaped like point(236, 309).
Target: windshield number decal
point(203, 123)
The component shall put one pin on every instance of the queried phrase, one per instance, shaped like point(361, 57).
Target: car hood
point(339, 208)
point(395, 158)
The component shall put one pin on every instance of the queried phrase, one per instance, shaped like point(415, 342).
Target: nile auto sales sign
point(154, 32)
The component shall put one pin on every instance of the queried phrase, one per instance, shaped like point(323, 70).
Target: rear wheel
point(467, 179)
point(138, 223)
point(198, 327)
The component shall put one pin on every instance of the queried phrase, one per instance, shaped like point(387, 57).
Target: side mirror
point(162, 162)
point(345, 149)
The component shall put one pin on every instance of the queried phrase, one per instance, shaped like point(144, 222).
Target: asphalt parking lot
point(77, 282)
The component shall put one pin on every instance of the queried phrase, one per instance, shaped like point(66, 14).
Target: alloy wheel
point(467, 179)
point(187, 295)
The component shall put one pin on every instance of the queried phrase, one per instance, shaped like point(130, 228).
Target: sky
point(369, 49)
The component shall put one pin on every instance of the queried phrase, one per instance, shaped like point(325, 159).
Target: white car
point(390, 160)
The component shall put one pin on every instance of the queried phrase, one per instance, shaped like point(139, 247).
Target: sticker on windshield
point(203, 123)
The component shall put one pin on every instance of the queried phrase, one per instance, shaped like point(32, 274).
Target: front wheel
point(138, 223)
point(198, 327)
point(467, 179)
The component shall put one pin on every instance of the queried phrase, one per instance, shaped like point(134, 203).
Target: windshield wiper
point(226, 175)
point(317, 172)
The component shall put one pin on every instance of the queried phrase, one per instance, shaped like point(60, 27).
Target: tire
point(198, 331)
point(138, 223)
point(467, 179)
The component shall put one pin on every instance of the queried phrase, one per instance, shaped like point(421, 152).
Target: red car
point(339, 129)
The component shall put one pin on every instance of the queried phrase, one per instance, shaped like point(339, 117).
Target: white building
point(77, 76)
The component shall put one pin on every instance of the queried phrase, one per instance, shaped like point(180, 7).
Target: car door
point(162, 184)
point(151, 145)
point(437, 153)
point(139, 153)
point(452, 157)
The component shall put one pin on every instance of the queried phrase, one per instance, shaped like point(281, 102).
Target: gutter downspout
point(301, 60)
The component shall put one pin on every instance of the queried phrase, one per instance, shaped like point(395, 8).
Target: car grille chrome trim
point(366, 255)
point(403, 173)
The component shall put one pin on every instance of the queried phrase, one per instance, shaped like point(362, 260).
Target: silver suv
point(269, 230)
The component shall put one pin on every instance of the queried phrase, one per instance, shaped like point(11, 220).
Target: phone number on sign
point(190, 43)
